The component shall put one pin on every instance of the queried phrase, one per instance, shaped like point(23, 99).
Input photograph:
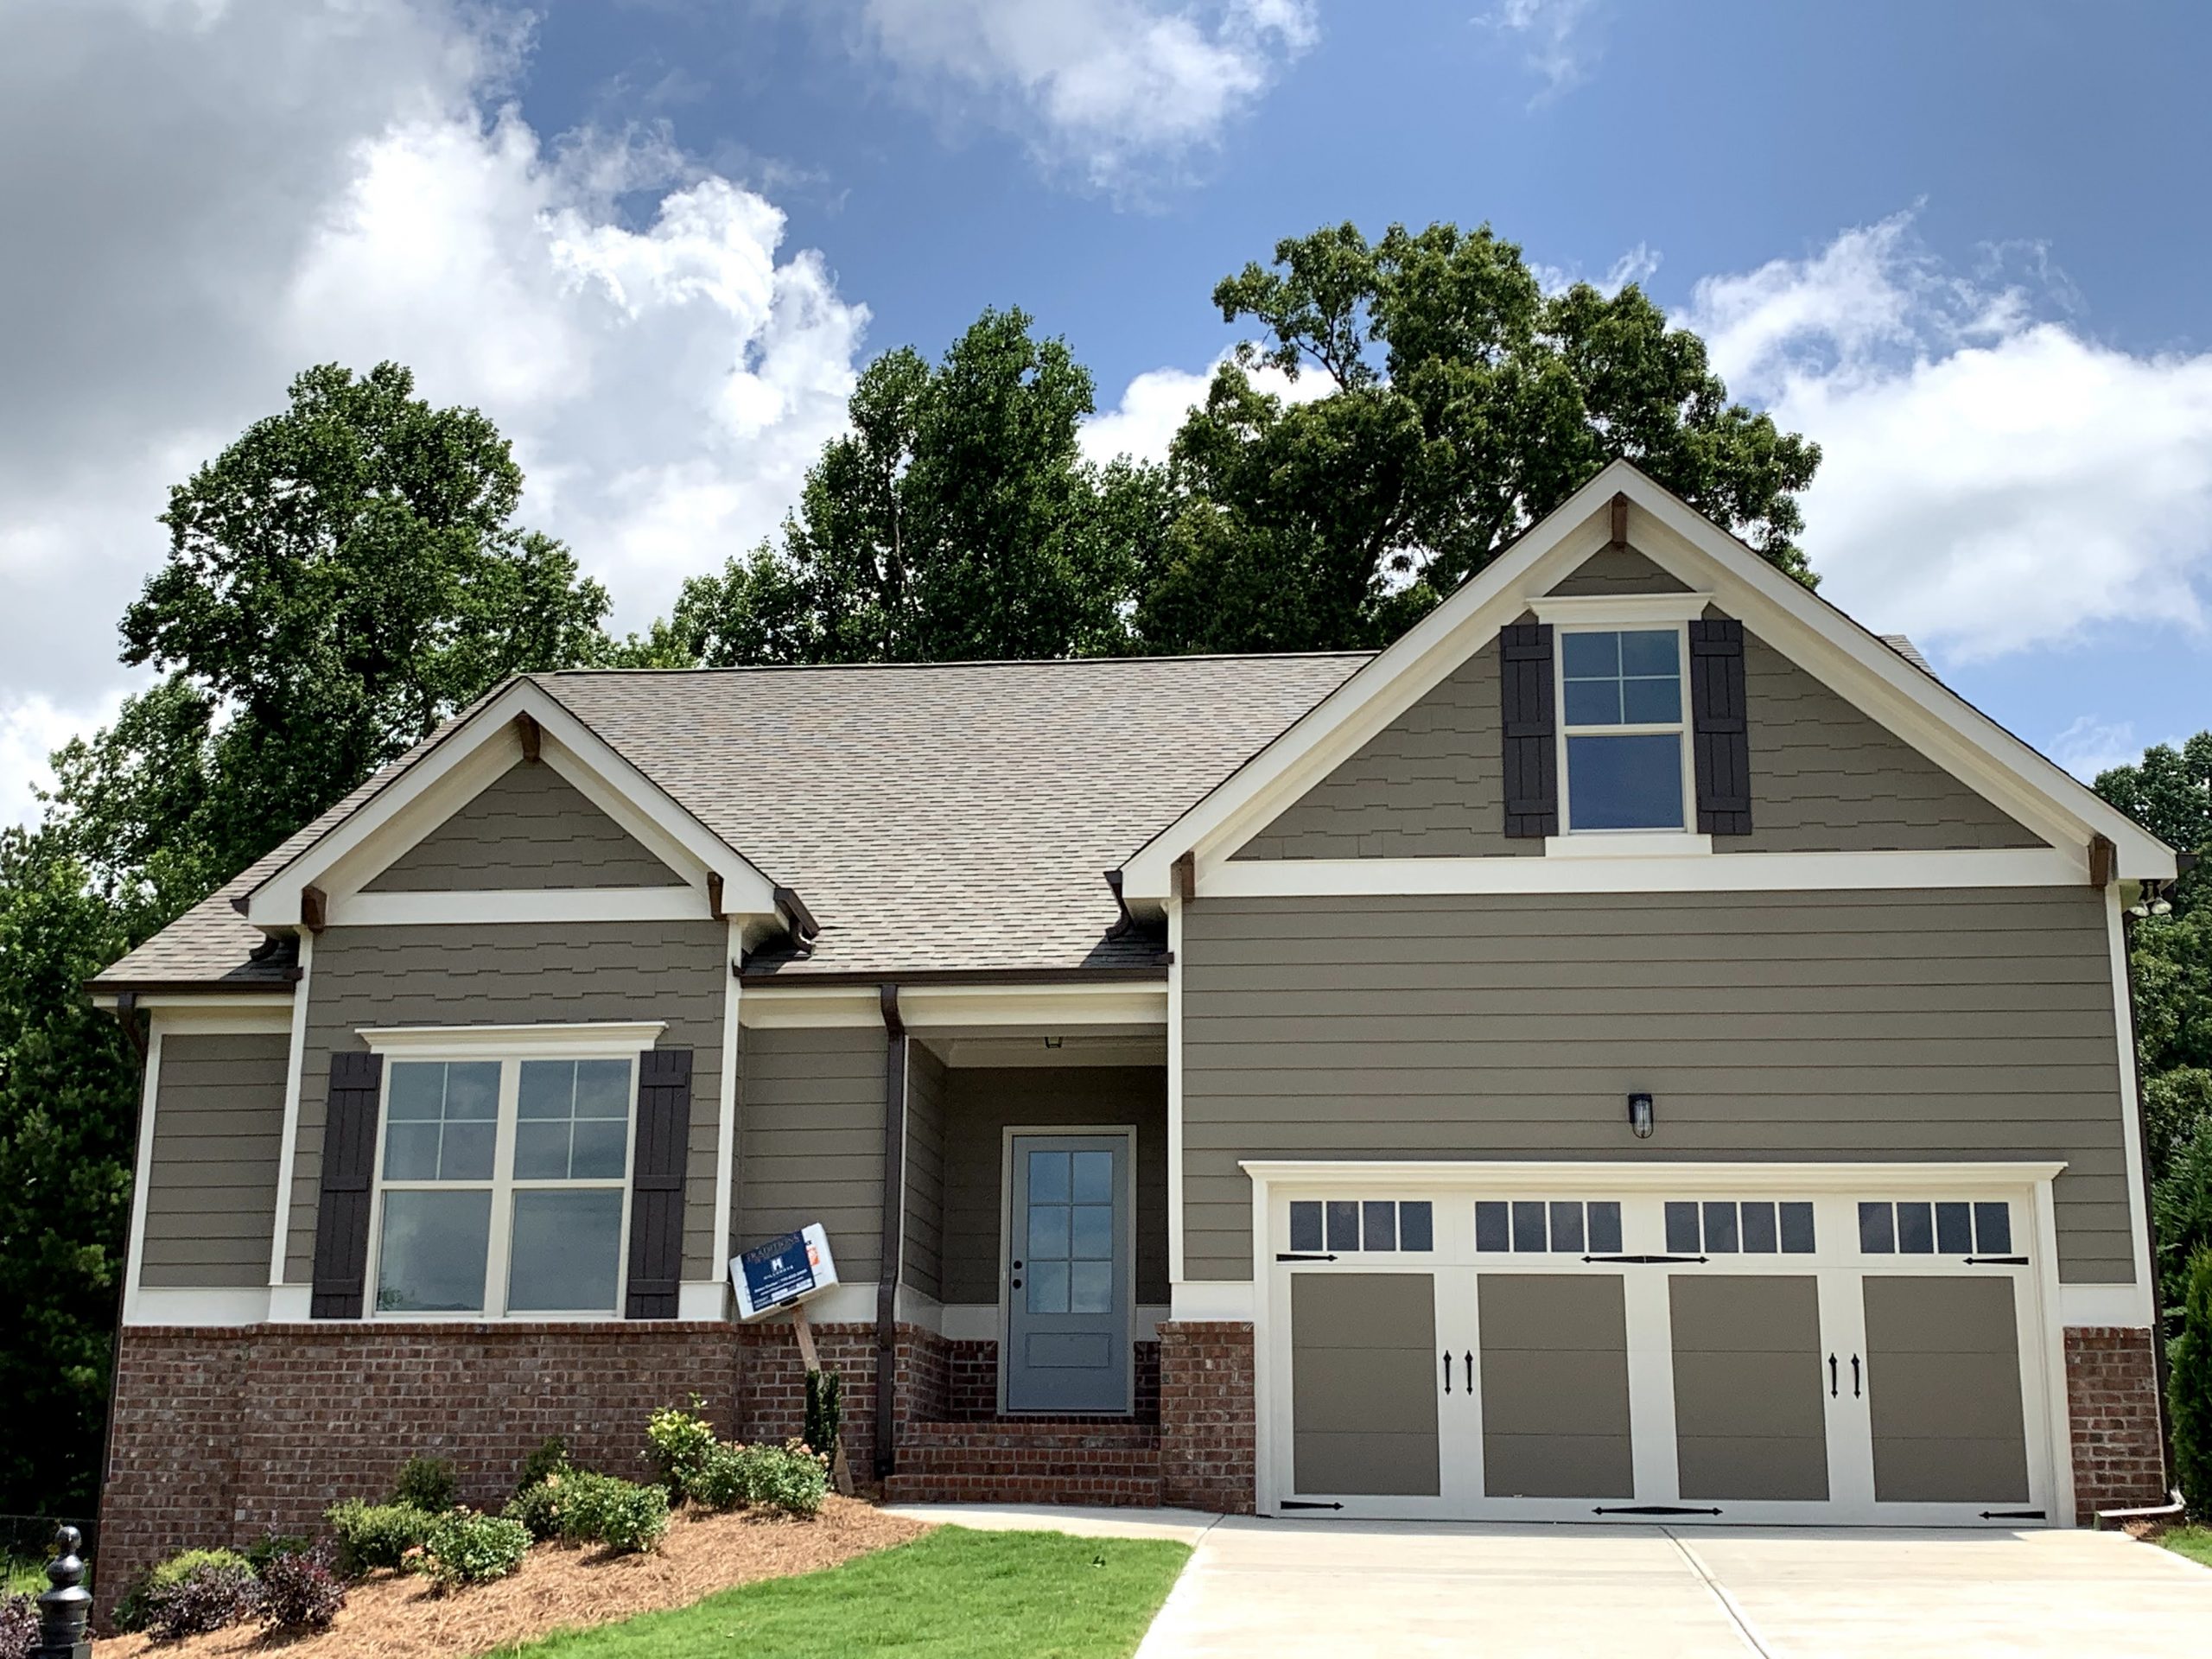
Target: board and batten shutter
point(657, 1169)
point(1531, 751)
point(342, 1214)
point(1719, 728)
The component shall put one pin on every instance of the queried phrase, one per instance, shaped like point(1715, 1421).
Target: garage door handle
point(1854, 1376)
point(1832, 1376)
point(1447, 1370)
point(1469, 1357)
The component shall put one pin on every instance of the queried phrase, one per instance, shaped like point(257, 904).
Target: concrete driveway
point(1284, 1589)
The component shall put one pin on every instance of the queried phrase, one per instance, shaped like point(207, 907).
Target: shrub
point(300, 1589)
point(273, 1546)
point(551, 1459)
point(623, 1516)
point(681, 1442)
point(788, 1478)
point(2189, 1386)
point(18, 1627)
point(825, 1409)
point(134, 1612)
point(425, 1484)
point(466, 1548)
point(537, 1508)
point(212, 1596)
point(372, 1535)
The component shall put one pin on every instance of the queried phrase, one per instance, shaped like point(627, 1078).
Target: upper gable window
point(1621, 701)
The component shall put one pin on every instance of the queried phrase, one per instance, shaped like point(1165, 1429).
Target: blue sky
point(1961, 246)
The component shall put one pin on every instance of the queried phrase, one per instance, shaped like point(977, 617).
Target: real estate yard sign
point(782, 1273)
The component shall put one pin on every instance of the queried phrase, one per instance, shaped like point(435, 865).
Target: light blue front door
point(1067, 1275)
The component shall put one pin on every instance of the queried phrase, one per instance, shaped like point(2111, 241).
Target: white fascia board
point(2024, 866)
point(1917, 707)
point(1619, 610)
point(583, 1041)
point(1646, 1175)
point(937, 1008)
point(212, 1004)
point(770, 1008)
point(353, 851)
point(493, 906)
point(228, 1017)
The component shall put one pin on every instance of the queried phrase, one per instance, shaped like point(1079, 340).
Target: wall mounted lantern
point(1639, 1115)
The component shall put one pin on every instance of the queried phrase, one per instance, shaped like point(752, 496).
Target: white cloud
point(1560, 46)
point(1154, 403)
point(1639, 264)
point(1119, 90)
point(2090, 746)
point(1993, 479)
point(201, 197)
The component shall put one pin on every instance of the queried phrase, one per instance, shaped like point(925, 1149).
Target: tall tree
point(1462, 403)
point(956, 519)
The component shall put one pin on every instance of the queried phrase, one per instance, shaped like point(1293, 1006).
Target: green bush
point(788, 1478)
point(371, 1535)
point(681, 1442)
point(537, 1507)
point(271, 1545)
point(619, 1514)
point(2189, 1386)
point(136, 1607)
point(466, 1548)
point(825, 1410)
point(425, 1484)
point(211, 1595)
point(551, 1459)
point(727, 1481)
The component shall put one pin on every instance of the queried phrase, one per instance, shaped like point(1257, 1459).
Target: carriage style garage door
point(1702, 1352)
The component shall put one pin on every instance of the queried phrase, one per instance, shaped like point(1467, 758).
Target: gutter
point(1147, 975)
point(894, 1206)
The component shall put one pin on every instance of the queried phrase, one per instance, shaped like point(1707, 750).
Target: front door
point(1069, 1273)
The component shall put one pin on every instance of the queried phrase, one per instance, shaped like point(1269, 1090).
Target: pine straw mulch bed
point(559, 1588)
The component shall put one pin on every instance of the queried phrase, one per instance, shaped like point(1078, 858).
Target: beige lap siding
point(1769, 1026)
point(810, 1141)
point(211, 1185)
point(921, 1266)
point(537, 972)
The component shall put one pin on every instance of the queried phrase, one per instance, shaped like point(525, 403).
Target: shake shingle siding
point(1769, 1026)
point(562, 973)
point(211, 1191)
point(532, 830)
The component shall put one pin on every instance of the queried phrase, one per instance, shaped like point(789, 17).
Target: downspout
point(894, 1200)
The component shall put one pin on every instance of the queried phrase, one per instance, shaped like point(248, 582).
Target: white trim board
point(613, 1038)
point(1689, 871)
point(1914, 707)
point(492, 906)
point(162, 1305)
point(1120, 1005)
point(1645, 1175)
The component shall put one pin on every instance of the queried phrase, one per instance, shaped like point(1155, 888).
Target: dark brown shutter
point(1720, 730)
point(657, 1183)
point(349, 1159)
point(1531, 753)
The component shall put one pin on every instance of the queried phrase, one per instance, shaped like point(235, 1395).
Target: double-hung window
point(1622, 724)
point(503, 1186)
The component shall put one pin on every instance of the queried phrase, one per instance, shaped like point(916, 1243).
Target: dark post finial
point(64, 1610)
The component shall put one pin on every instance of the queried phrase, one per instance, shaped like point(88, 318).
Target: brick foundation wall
point(971, 1394)
point(2112, 1401)
point(1207, 1441)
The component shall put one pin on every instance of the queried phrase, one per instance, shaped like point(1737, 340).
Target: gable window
point(1621, 707)
point(503, 1186)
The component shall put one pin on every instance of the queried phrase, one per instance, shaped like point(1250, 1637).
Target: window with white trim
point(1622, 728)
point(502, 1186)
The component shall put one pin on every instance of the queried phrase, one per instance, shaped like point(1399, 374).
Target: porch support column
point(894, 1207)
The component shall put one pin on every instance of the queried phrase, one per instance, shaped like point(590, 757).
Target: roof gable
point(529, 830)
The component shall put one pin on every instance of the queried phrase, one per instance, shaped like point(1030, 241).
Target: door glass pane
point(1305, 1224)
point(1048, 1286)
point(1682, 1229)
point(1916, 1230)
point(1721, 1228)
point(1993, 1229)
point(1605, 1227)
point(1567, 1228)
point(1093, 1239)
point(1758, 1230)
point(1378, 1226)
point(1048, 1231)
point(1048, 1178)
point(1625, 783)
point(1416, 1226)
point(1953, 1229)
point(1528, 1224)
point(1797, 1229)
point(1492, 1230)
point(1094, 1177)
point(567, 1251)
point(1344, 1224)
point(1091, 1287)
point(430, 1259)
point(1877, 1231)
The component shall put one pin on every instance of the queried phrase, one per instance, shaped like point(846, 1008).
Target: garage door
point(1857, 1356)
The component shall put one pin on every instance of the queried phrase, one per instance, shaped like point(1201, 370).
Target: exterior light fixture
point(1639, 1115)
point(2153, 902)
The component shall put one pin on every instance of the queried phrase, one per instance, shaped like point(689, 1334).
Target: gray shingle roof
point(934, 816)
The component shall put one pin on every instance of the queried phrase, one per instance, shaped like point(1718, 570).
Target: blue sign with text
point(782, 1271)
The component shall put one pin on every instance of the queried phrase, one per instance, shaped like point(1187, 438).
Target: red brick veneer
point(1207, 1441)
point(2112, 1399)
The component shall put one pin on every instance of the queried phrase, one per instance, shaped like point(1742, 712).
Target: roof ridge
point(967, 662)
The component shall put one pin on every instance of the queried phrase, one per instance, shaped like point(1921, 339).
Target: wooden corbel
point(2102, 854)
point(314, 909)
point(528, 730)
point(1620, 519)
point(1187, 876)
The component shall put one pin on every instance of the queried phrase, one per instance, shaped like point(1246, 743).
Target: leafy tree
point(2189, 1386)
point(956, 519)
point(1463, 404)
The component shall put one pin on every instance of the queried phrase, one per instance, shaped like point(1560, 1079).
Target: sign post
point(784, 1273)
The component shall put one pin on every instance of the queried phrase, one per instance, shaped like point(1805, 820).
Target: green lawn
point(951, 1595)
point(21, 1576)
point(2195, 1542)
